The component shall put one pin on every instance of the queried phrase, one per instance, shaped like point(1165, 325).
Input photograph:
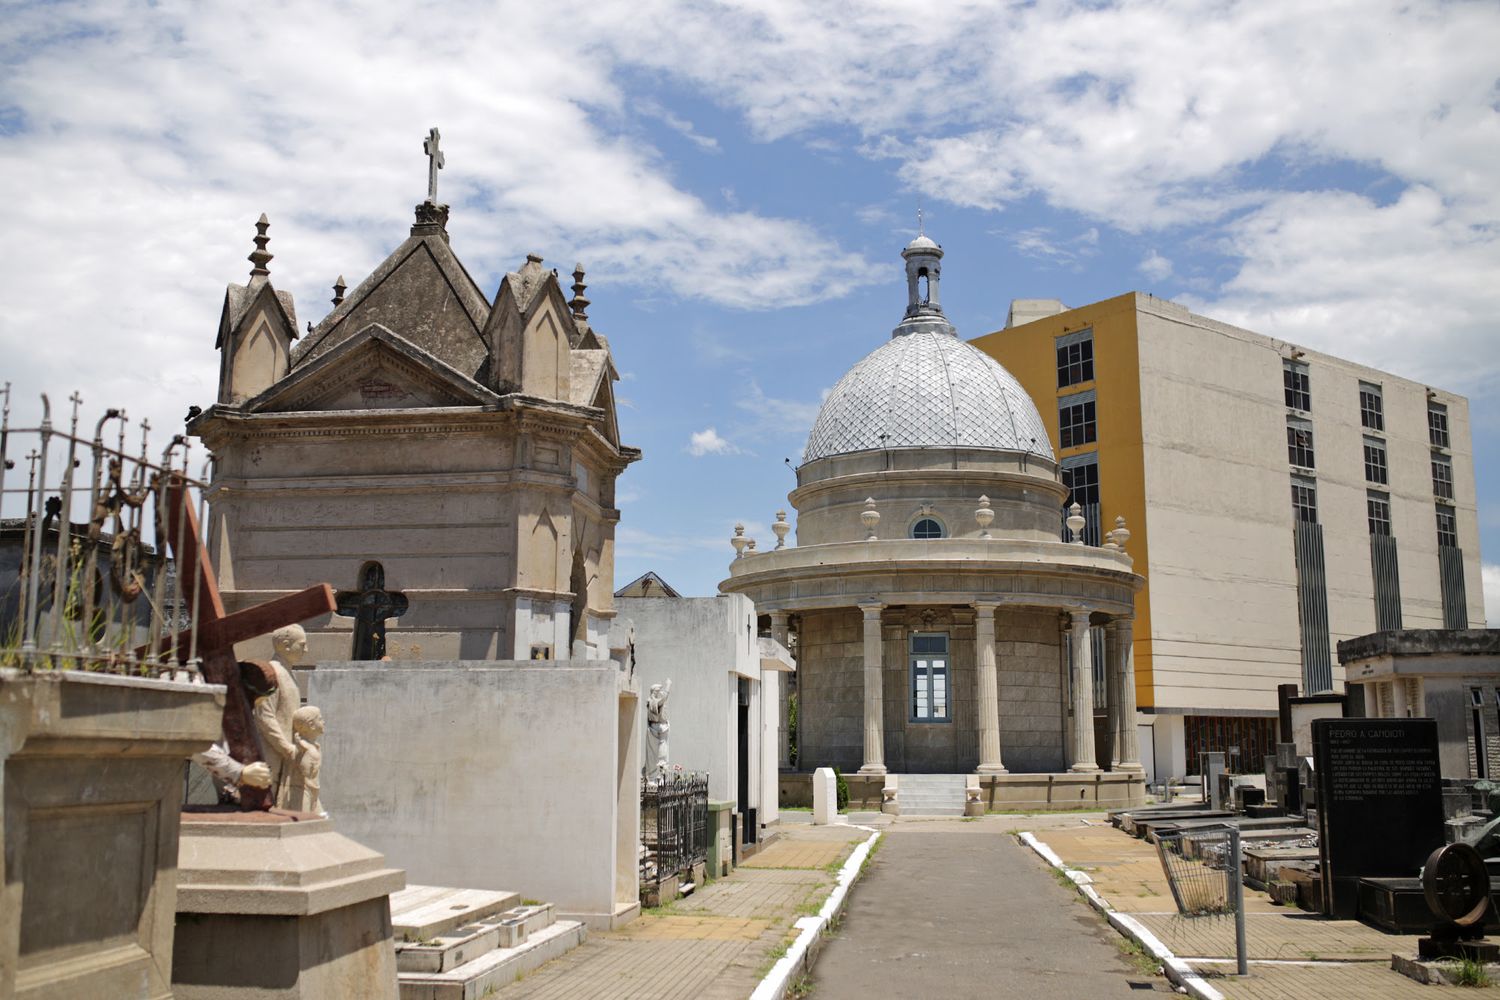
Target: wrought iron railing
point(85, 530)
point(674, 824)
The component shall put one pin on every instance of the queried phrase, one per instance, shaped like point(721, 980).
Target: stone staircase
point(931, 794)
point(462, 944)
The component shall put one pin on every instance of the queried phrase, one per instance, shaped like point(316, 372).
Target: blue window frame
point(931, 695)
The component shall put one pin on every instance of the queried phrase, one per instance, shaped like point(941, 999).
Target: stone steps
point(931, 794)
point(462, 944)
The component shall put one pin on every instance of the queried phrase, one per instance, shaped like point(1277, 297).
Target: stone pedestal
point(825, 797)
point(280, 905)
point(91, 766)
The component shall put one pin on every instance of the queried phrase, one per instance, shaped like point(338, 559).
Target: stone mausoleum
point(941, 623)
point(445, 461)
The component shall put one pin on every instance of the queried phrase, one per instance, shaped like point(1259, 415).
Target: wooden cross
point(434, 162)
point(218, 632)
point(370, 606)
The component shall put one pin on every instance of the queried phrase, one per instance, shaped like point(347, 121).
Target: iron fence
point(93, 588)
point(1203, 869)
point(674, 824)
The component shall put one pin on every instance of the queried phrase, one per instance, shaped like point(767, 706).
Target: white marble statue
point(274, 712)
point(307, 726)
point(656, 723)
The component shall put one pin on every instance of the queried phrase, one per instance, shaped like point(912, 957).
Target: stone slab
point(423, 912)
point(1380, 808)
point(498, 968)
point(450, 950)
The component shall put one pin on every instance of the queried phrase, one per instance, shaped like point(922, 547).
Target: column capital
point(1078, 619)
point(780, 617)
point(985, 605)
point(872, 609)
point(1117, 622)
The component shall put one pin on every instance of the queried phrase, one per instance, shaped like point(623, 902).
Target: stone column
point(1122, 662)
point(1113, 667)
point(874, 703)
point(1398, 697)
point(784, 750)
point(1083, 755)
point(987, 693)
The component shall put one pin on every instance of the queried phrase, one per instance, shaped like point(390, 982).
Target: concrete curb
point(799, 957)
point(1178, 971)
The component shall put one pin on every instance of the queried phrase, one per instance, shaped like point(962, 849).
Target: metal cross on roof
point(434, 162)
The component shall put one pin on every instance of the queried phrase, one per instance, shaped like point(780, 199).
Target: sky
point(738, 179)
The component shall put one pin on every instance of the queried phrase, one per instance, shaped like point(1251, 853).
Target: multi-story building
point(1280, 500)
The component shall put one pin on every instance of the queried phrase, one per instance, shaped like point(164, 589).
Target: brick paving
point(716, 944)
point(1293, 954)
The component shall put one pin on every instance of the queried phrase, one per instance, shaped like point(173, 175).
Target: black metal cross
point(370, 606)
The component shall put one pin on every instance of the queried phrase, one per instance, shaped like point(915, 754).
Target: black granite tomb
point(1380, 807)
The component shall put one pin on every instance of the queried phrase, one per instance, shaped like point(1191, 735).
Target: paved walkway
point(716, 944)
point(1293, 954)
point(956, 909)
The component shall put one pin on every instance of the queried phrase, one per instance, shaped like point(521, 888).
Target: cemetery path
point(959, 909)
point(716, 944)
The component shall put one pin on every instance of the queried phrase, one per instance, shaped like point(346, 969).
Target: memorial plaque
point(1380, 803)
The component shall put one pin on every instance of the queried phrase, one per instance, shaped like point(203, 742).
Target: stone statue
point(274, 712)
point(228, 774)
point(656, 722)
point(307, 727)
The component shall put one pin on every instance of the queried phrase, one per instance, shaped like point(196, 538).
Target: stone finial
point(870, 517)
point(780, 527)
point(1121, 533)
point(260, 256)
point(985, 516)
point(739, 541)
point(338, 291)
point(1076, 523)
point(750, 545)
point(579, 304)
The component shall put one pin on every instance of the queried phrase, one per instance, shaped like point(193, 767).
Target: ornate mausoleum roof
point(926, 388)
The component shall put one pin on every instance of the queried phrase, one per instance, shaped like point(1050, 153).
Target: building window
point(1447, 527)
point(1375, 468)
point(1075, 358)
point(1075, 419)
point(1371, 407)
point(929, 677)
point(1299, 443)
point(1298, 387)
point(1305, 499)
point(927, 527)
point(1378, 507)
point(1442, 477)
point(1082, 480)
point(1437, 424)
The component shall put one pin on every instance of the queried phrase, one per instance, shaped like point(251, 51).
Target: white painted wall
point(496, 775)
point(704, 645)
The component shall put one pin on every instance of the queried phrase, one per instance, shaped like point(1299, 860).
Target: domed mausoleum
point(942, 624)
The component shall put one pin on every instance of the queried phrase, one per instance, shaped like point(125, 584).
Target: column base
point(991, 769)
point(1133, 766)
point(871, 769)
point(1085, 769)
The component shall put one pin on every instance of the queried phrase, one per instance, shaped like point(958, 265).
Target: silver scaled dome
point(926, 388)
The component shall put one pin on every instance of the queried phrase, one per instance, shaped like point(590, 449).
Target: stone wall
point(831, 691)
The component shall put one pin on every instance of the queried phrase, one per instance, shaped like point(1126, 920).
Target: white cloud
point(708, 442)
point(1407, 286)
point(1155, 266)
point(770, 415)
point(1039, 243)
point(1490, 572)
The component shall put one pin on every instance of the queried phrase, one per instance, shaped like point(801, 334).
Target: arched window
point(927, 527)
point(923, 286)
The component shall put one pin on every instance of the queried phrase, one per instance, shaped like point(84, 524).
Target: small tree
point(791, 726)
point(841, 791)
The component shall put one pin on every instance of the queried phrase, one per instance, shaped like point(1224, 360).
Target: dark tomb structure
point(1380, 806)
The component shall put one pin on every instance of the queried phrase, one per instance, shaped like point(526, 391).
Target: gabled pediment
point(532, 332)
point(240, 301)
point(421, 292)
point(375, 369)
